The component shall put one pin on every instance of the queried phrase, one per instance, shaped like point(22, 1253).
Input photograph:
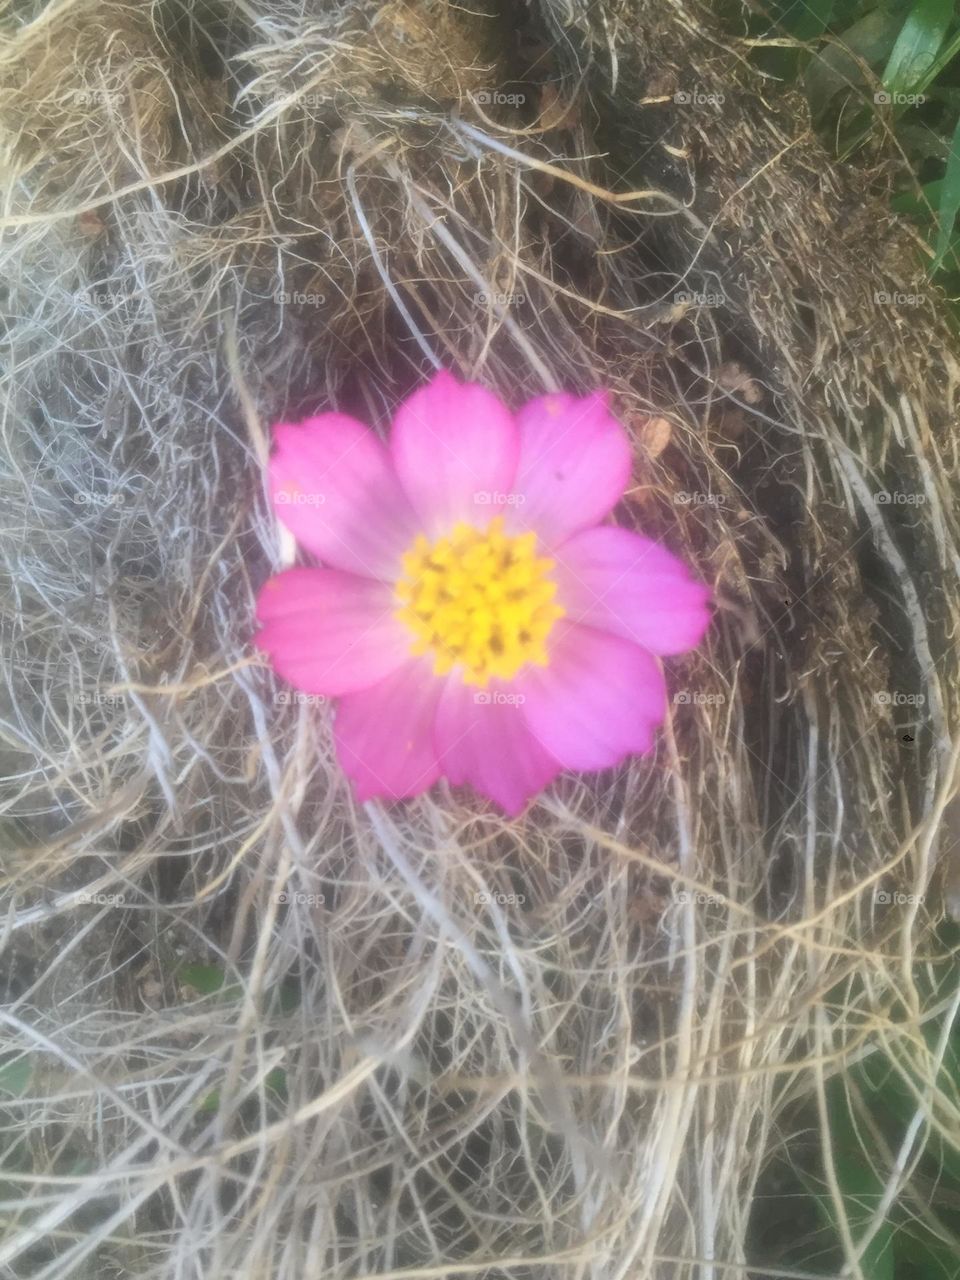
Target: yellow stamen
point(481, 600)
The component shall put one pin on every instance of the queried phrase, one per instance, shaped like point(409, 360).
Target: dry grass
point(218, 213)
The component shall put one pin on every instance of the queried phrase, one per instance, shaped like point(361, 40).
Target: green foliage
point(949, 201)
point(206, 979)
point(870, 1109)
point(869, 66)
point(15, 1077)
point(860, 1185)
point(210, 980)
point(918, 45)
point(274, 1082)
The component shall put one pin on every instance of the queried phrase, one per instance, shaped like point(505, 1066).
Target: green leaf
point(276, 1082)
point(837, 67)
point(208, 980)
point(922, 143)
point(918, 44)
point(947, 95)
point(288, 995)
point(946, 55)
point(205, 978)
point(809, 20)
point(860, 1186)
point(922, 207)
point(949, 202)
point(15, 1077)
point(918, 206)
point(884, 1087)
point(919, 1253)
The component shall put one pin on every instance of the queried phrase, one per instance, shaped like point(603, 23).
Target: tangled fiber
point(251, 1029)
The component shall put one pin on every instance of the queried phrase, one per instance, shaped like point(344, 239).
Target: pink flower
point(475, 620)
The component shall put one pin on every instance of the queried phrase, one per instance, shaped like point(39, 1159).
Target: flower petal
point(574, 465)
point(455, 449)
point(334, 488)
point(622, 582)
point(483, 739)
point(384, 735)
point(330, 632)
point(599, 699)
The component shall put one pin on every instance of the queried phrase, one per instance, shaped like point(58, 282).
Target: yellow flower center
point(478, 599)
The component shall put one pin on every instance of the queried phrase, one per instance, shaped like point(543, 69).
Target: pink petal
point(574, 465)
point(455, 449)
point(622, 582)
point(334, 488)
point(484, 740)
point(330, 632)
point(384, 735)
point(599, 699)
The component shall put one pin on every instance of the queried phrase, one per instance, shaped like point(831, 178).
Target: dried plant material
point(654, 435)
point(661, 86)
point(950, 857)
point(648, 906)
point(734, 378)
point(554, 112)
point(300, 210)
point(90, 223)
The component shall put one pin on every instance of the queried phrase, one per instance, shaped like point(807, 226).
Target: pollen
point(481, 601)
